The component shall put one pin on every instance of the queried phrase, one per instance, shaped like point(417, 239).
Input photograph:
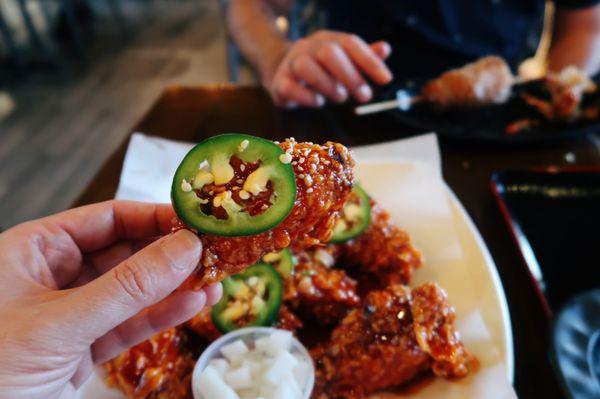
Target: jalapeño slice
point(251, 298)
point(355, 217)
point(283, 262)
point(234, 185)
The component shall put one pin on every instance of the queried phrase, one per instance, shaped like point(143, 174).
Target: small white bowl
point(249, 336)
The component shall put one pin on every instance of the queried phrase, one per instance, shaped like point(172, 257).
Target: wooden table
point(191, 114)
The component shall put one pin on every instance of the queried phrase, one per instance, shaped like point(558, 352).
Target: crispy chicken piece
point(486, 81)
point(383, 250)
point(324, 180)
point(318, 291)
point(394, 336)
point(159, 368)
point(203, 326)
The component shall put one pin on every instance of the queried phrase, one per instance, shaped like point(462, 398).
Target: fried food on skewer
point(395, 335)
point(486, 81)
point(384, 250)
point(324, 179)
point(158, 368)
point(318, 291)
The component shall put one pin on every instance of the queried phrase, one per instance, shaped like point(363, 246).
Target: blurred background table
point(194, 113)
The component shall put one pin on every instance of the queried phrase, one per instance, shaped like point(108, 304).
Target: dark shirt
point(430, 36)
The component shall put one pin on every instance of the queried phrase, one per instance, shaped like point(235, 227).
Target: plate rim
point(497, 282)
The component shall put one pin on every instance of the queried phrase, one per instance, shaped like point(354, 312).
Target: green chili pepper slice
point(251, 298)
point(283, 262)
point(355, 217)
point(234, 185)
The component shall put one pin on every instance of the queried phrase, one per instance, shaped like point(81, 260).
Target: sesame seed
point(264, 207)
point(302, 159)
point(300, 176)
point(285, 158)
point(300, 168)
point(310, 190)
point(239, 181)
point(295, 163)
point(244, 194)
point(243, 145)
point(235, 188)
point(186, 187)
point(211, 192)
point(308, 180)
point(242, 167)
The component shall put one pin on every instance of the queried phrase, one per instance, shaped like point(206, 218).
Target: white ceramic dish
point(456, 258)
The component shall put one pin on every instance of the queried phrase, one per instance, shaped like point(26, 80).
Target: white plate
point(456, 258)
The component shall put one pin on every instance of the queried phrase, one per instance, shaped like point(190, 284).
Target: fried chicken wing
point(324, 180)
point(159, 368)
point(486, 81)
point(383, 250)
point(318, 291)
point(395, 335)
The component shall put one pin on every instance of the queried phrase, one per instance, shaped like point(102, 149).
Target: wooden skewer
point(402, 102)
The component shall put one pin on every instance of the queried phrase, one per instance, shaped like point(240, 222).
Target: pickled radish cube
point(220, 365)
point(284, 391)
point(239, 378)
point(212, 386)
point(235, 351)
point(291, 382)
point(262, 344)
point(255, 367)
point(283, 364)
point(280, 341)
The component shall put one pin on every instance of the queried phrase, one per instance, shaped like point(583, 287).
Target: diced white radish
point(284, 363)
point(235, 350)
point(290, 381)
point(262, 344)
point(283, 391)
point(264, 369)
point(301, 372)
point(220, 365)
point(213, 387)
point(279, 341)
point(239, 378)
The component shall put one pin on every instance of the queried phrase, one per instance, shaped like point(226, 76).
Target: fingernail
point(364, 93)
point(199, 298)
point(183, 249)
point(319, 100)
point(291, 105)
point(341, 92)
point(387, 49)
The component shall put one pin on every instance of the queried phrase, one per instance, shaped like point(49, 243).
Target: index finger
point(365, 58)
point(96, 226)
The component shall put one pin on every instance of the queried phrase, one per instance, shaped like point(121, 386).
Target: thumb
point(140, 281)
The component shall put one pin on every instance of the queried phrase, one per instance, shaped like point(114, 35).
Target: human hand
point(75, 291)
point(328, 64)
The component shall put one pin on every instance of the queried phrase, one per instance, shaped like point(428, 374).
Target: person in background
point(369, 42)
point(79, 287)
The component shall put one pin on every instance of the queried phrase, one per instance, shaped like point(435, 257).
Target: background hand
point(330, 65)
point(79, 287)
